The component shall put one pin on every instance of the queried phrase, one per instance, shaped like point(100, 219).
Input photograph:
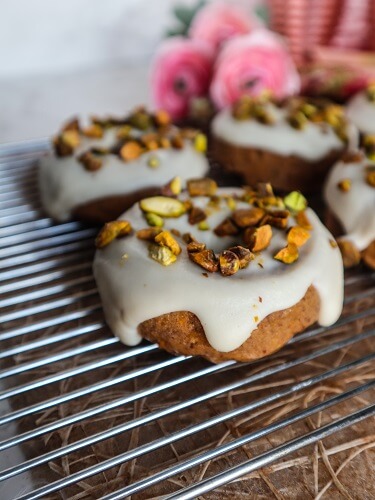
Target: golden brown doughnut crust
point(182, 333)
point(283, 172)
point(110, 208)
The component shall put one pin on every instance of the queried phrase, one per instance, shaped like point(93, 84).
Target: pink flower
point(251, 64)
point(217, 22)
point(181, 70)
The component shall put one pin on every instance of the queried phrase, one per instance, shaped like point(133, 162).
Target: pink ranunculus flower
point(251, 64)
point(216, 23)
point(182, 69)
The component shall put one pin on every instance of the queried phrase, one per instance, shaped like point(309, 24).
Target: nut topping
point(163, 255)
point(295, 202)
point(298, 236)
point(196, 215)
point(303, 221)
point(258, 239)
point(226, 228)
point(163, 206)
point(165, 239)
point(149, 233)
point(206, 259)
point(244, 255)
point(247, 217)
point(201, 187)
point(345, 185)
point(112, 230)
point(90, 162)
point(229, 263)
point(131, 151)
point(287, 255)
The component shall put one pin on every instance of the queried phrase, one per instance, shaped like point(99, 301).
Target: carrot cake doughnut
point(220, 273)
point(290, 144)
point(350, 196)
point(361, 110)
point(97, 172)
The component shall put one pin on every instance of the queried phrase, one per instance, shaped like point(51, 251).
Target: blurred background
point(75, 57)
point(83, 57)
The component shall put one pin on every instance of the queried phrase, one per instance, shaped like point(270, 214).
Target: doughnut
point(222, 273)
point(350, 195)
point(290, 144)
point(97, 172)
point(361, 110)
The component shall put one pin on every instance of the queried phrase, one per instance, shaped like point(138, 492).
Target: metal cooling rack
point(82, 413)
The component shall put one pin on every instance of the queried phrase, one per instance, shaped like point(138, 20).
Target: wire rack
point(83, 416)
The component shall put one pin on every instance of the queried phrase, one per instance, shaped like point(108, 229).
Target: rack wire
point(83, 416)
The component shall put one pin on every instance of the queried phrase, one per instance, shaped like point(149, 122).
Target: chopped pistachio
point(287, 255)
point(206, 259)
point(112, 230)
point(131, 151)
point(90, 161)
point(258, 239)
point(72, 124)
point(163, 255)
point(177, 141)
point(303, 221)
point(176, 185)
point(298, 120)
point(149, 233)
point(200, 143)
point(195, 246)
point(165, 239)
point(94, 131)
point(123, 132)
point(295, 202)
point(162, 118)
point(153, 161)
point(140, 119)
point(196, 215)
point(244, 255)
point(246, 217)
point(203, 226)
point(229, 263)
point(154, 220)
point(344, 185)
point(163, 206)
point(226, 228)
point(298, 236)
point(231, 203)
point(201, 187)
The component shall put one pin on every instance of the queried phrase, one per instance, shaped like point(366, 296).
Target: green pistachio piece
point(295, 202)
point(163, 206)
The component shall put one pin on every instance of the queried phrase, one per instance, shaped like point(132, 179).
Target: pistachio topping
point(163, 206)
point(303, 220)
point(148, 233)
point(154, 219)
point(244, 255)
point(298, 236)
point(165, 239)
point(201, 187)
point(344, 185)
point(229, 263)
point(153, 161)
point(90, 161)
point(258, 239)
point(111, 231)
point(287, 255)
point(247, 217)
point(196, 215)
point(131, 151)
point(200, 143)
point(206, 259)
point(161, 254)
point(226, 228)
point(295, 202)
point(94, 131)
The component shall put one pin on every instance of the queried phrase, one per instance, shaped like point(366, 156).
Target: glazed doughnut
point(223, 274)
point(291, 144)
point(96, 173)
point(350, 196)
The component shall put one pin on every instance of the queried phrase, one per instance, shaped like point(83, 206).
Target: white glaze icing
point(65, 183)
point(354, 209)
point(361, 112)
point(312, 143)
point(138, 288)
